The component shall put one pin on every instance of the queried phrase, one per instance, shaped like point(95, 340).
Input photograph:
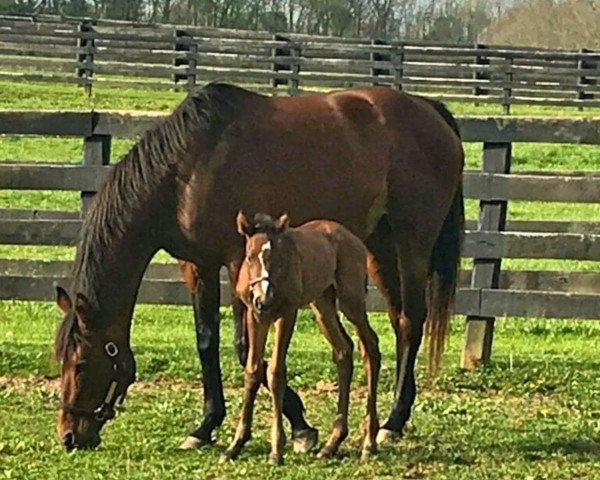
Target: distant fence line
point(486, 291)
point(113, 53)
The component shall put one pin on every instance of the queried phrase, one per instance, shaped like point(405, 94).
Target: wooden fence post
point(85, 55)
point(379, 57)
point(582, 80)
point(478, 73)
point(279, 66)
point(398, 65)
point(286, 59)
point(96, 152)
point(183, 42)
point(296, 53)
point(507, 88)
point(486, 272)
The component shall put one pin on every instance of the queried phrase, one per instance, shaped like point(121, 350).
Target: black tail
point(444, 265)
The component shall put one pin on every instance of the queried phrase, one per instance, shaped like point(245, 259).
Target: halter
point(256, 280)
point(106, 410)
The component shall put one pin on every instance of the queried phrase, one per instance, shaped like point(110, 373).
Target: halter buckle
point(111, 349)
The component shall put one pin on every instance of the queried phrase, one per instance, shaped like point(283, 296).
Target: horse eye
point(80, 367)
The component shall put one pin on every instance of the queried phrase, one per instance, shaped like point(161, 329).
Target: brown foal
point(285, 268)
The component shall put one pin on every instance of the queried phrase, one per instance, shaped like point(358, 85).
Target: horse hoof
point(305, 440)
point(366, 453)
point(225, 457)
point(192, 443)
point(275, 459)
point(326, 452)
point(385, 436)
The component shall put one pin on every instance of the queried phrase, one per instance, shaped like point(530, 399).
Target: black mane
point(138, 177)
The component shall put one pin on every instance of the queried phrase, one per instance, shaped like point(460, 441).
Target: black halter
point(106, 410)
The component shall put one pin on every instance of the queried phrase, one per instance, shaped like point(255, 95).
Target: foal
point(284, 269)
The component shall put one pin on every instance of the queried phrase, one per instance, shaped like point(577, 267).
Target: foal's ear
point(243, 226)
point(63, 300)
point(283, 222)
point(82, 305)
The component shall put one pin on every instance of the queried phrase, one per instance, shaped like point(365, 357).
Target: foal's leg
point(328, 321)
point(304, 436)
point(353, 306)
point(277, 380)
point(257, 336)
point(205, 289)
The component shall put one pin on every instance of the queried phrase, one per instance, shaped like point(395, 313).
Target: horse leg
point(409, 333)
point(277, 381)
point(205, 290)
point(304, 436)
point(253, 373)
point(383, 269)
point(353, 306)
point(341, 343)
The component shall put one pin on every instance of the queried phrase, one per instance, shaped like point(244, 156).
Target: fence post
point(277, 64)
point(398, 65)
point(379, 57)
point(479, 74)
point(96, 152)
point(486, 272)
point(582, 80)
point(85, 54)
point(296, 53)
point(507, 88)
point(183, 42)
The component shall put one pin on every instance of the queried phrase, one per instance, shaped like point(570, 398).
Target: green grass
point(40, 95)
point(533, 413)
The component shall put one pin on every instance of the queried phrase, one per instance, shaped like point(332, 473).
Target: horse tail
point(444, 266)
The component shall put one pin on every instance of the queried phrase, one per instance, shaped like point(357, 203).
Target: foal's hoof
point(275, 459)
point(327, 452)
point(366, 453)
point(192, 443)
point(227, 457)
point(305, 440)
point(385, 436)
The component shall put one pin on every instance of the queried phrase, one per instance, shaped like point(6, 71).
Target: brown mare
point(284, 269)
point(384, 164)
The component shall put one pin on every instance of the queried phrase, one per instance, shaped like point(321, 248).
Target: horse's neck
point(110, 274)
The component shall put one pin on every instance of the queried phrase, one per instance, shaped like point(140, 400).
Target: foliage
point(569, 24)
point(448, 20)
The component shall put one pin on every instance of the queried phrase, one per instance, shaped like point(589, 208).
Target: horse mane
point(164, 149)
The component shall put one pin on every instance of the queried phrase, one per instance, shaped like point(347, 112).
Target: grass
point(533, 413)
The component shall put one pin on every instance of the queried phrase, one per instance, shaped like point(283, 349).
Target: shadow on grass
point(579, 449)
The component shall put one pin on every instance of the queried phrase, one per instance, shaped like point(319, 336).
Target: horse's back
point(315, 156)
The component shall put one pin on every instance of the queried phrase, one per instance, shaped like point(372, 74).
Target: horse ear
point(283, 222)
point(63, 300)
point(243, 226)
point(82, 305)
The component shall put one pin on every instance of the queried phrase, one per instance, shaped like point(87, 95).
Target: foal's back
point(330, 255)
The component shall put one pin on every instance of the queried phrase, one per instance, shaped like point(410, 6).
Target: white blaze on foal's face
point(265, 249)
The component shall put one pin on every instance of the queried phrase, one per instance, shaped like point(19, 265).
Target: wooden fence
point(113, 53)
point(486, 291)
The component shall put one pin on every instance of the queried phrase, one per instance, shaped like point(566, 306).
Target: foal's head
point(96, 369)
point(266, 272)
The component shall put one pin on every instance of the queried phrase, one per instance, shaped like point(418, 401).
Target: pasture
point(533, 413)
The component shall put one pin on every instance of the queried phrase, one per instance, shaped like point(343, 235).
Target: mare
point(317, 263)
point(385, 164)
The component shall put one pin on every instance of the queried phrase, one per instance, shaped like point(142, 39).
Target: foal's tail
point(444, 267)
